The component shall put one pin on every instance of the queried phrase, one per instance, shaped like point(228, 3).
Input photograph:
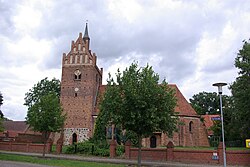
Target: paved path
point(113, 160)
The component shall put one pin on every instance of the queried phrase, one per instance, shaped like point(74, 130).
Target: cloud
point(190, 43)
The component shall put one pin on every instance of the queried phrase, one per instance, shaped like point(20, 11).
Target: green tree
point(136, 102)
point(204, 102)
point(209, 102)
point(1, 125)
point(1, 114)
point(40, 89)
point(241, 91)
point(1, 99)
point(44, 109)
point(46, 116)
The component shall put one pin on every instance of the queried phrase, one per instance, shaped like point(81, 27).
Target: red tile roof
point(20, 126)
point(209, 122)
point(182, 107)
point(13, 128)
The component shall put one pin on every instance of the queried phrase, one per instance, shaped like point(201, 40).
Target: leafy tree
point(1, 114)
point(204, 102)
point(100, 133)
point(136, 102)
point(100, 127)
point(1, 125)
point(241, 91)
point(45, 116)
point(209, 102)
point(40, 89)
point(44, 109)
point(1, 99)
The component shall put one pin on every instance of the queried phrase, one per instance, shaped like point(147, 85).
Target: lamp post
point(219, 85)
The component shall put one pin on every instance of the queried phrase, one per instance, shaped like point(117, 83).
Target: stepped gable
point(182, 107)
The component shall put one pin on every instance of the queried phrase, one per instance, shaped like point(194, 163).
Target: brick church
point(81, 84)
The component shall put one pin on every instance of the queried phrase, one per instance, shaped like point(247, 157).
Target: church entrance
point(153, 142)
point(74, 138)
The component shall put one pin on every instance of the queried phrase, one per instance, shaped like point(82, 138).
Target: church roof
point(19, 126)
point(183, 107)
point(13, 128)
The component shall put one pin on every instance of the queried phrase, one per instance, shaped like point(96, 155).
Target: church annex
point(81, 84)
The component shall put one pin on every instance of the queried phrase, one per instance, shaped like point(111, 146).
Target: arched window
point(74, 138)
point(191, 126)
point(153, 142)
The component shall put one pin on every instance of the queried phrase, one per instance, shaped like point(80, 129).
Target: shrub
point(98, 148)
point(102, 144)
point(120, 150)
point(70, 149)
point(85, 147)
point(101, 152)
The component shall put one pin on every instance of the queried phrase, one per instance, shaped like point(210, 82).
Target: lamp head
point(219, 85)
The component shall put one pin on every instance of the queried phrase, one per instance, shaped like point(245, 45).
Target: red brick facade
point(81, 83)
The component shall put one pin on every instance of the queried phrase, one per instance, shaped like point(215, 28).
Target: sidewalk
point(112, 160)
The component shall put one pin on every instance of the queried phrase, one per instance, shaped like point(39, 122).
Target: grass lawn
point(212, 148)
point(195, 148)
point(54, 162)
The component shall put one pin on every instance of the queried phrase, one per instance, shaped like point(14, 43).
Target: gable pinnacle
point(86, 34)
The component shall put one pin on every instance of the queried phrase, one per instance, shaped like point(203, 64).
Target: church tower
point(80, 83)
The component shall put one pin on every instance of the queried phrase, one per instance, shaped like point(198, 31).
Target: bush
point(120, 150)
point(70, 149)
point(98, 148)
point(85, 147)
point(102, 144)
point(101, 152)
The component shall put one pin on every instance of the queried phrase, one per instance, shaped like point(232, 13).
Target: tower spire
point(86, 33)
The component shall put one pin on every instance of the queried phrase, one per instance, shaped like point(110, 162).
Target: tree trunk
point(139, 150)
point(44, 142)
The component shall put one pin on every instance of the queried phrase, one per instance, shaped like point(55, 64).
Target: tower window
point(75, 94)
point(77, 75)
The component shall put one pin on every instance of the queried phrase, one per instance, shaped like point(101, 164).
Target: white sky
point(190, 43)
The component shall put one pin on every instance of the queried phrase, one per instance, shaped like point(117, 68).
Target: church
point(81, 84)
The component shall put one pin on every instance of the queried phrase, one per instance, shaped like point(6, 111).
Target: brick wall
point(188, 155)
point(236, 157)
point(158, 154)
point(25, 147)
point(195, 156)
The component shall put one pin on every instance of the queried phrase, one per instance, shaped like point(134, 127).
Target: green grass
point(54, 162)
point(238, 148)
point(212, 148)
point(195, 148)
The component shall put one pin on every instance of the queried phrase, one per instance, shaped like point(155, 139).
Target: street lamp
point(219, 85)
